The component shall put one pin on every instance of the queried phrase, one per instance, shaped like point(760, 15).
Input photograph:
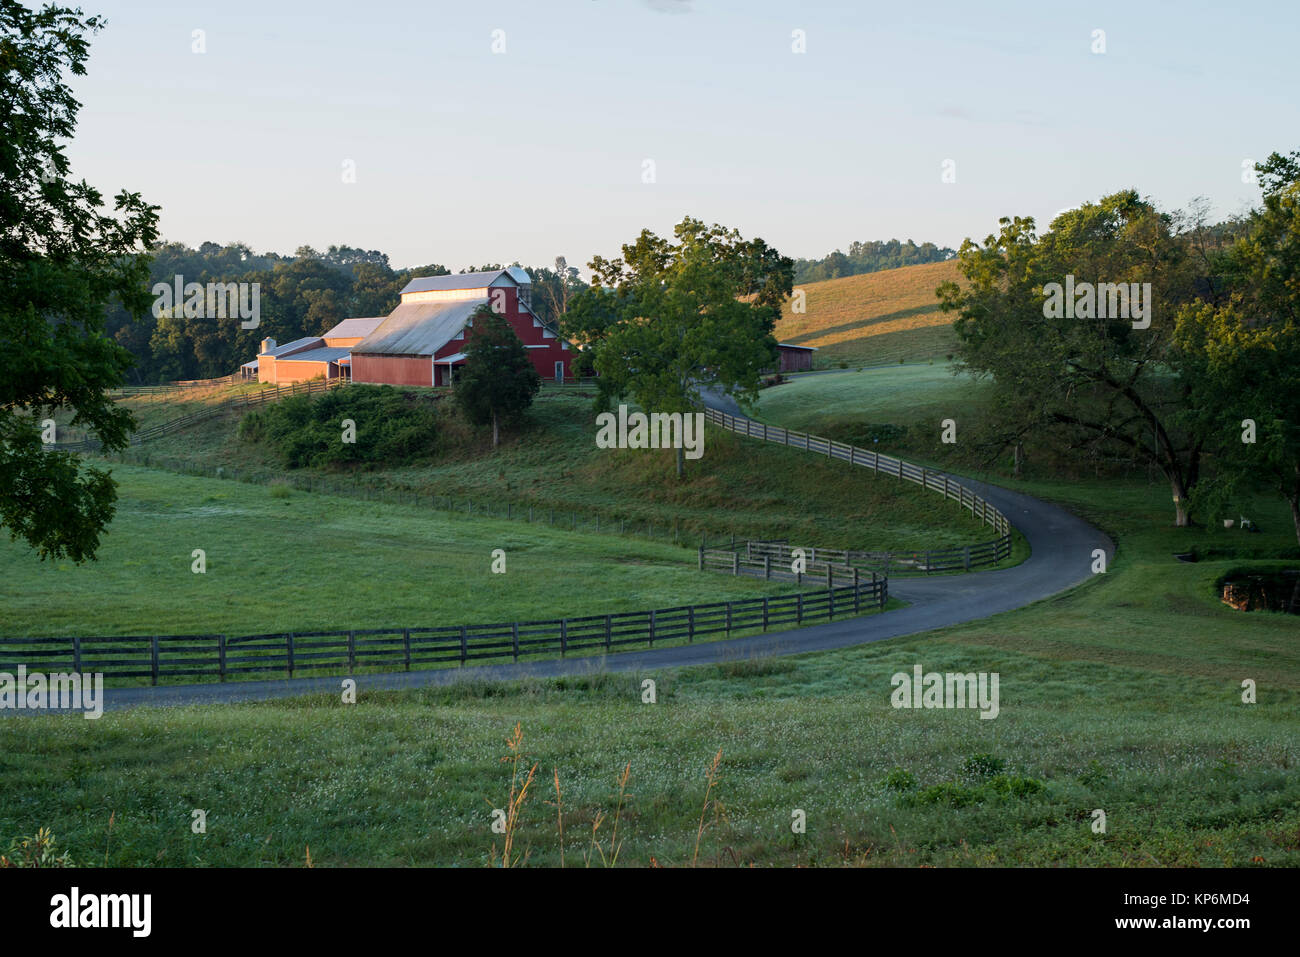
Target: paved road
point(1061, 544)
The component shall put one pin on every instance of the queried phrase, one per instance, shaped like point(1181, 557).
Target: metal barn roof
point(297, 344)
point(354, 328)
point(323, 354)
point(419, 328)
point(466, 280)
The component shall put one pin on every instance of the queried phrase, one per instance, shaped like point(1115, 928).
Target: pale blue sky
point(465, 156)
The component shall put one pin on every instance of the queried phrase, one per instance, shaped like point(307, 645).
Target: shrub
point(393, 427)
point(900, 780)
point(982, 766)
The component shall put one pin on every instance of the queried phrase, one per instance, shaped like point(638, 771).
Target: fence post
point(288, 647)
point(857, 597)
point(352, 651)
point(767, 569)
point(798, 605)
point(966, 557)
point(728, 619)
point(652, 627)
point(406, 647)
point(564, 636)
point(153, 655)
point(690, 623)
point(76, 655)
point(927, 561)
point(701, 558)
point(514, 639)
point(765, 613)
point(735, 563)
point(464, 646)
point(607, 632)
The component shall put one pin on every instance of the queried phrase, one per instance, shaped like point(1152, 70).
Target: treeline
point(869, 257)
point(299, 295)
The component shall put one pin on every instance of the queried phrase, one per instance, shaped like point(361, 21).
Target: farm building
point(422, 341)
point(312, 357)
point(794, 358)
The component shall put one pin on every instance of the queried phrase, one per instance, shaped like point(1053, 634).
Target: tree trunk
point(495, 434)
point(1181, 517)
point(680, 462)
point(1295, 515)
point(1019, 460)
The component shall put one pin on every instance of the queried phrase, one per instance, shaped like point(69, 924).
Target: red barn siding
point(530, 333)
point(392, 370)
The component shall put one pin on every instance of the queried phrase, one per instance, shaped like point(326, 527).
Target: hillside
point(873, 318)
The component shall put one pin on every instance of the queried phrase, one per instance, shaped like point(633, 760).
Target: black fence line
point(168, 656)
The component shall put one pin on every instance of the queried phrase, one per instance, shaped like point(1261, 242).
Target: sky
point(499, 131)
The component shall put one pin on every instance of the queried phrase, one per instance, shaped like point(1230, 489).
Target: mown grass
point(878, 317)
point(299, 561)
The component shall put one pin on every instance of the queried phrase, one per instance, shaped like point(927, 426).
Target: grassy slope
point(312, 561)
point(555, 464)
point(873, 318)
point(1123, 695)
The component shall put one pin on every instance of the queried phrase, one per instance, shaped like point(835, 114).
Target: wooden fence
point(174, 386)
point(985, 553)
point(224, 657)
point(772, 557)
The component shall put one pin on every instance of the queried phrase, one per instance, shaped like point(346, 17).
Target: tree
point(63, 260)
point(498, 381)
point(1243, 355)
point(1089, 379)
point(668, 319)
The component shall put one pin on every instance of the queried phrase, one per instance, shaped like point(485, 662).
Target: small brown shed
point(795, 358)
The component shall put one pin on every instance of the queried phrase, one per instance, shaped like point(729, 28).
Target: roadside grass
point(872, 318)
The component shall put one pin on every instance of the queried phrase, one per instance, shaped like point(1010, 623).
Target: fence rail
point(935, 560)
point(226, 657)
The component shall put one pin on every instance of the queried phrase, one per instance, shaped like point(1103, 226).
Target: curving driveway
point(1061, 544)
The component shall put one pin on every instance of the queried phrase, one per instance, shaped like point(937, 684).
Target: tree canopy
point(63, 259)
point(667, 319)
point(498, 381)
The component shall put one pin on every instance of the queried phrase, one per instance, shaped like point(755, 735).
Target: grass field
point(554, 464)
point(873, 318)
point(1122, 695)
point(308, 561)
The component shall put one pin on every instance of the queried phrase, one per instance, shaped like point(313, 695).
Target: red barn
point(423, 339)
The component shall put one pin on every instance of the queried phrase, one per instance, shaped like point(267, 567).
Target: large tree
point(498, 381)
point(1242, 356)
point(666, 319)
point(1074, 377)
point(63, 259)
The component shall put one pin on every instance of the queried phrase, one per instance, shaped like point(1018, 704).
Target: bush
point(982, 766)
point(392, 427)
point(900, 780)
